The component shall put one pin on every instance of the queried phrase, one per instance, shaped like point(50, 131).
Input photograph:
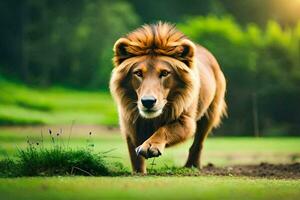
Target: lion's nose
point(148, 101)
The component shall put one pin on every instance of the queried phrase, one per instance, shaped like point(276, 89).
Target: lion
point(167, 89)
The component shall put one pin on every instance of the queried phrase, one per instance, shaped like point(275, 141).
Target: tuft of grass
point(8, 168)
point(59, 159)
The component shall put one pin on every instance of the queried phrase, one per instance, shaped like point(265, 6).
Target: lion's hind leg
point(204, 126)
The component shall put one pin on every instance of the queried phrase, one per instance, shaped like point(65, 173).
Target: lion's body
point(195, 99)
point(212, 87)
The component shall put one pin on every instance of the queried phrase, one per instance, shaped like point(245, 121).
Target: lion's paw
point(149, 150)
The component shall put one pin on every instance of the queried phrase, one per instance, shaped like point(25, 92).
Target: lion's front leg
point(167, 135)
point(137, 161)
point(154, 146)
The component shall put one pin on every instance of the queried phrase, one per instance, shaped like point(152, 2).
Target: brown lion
point(167, 89)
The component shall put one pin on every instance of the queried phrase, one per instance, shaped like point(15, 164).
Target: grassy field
point(220, 151)
point(58, 108)
point(148, 188)
point(23, 105)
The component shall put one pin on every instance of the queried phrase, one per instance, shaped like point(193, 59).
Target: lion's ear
point(120, 51)
point(185, 52)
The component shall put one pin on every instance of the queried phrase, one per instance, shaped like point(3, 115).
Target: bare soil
point(263, 170)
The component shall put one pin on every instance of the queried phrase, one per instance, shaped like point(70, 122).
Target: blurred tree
point(11, 15)
point(286, 12)
point(64, 42)
point(174, 10)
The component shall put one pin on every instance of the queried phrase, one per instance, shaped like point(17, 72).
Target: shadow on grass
point(11, 121)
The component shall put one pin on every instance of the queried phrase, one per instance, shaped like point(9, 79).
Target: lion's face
point(152, 81)
point(153, 72)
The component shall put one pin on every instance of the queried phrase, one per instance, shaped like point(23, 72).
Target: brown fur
point(192, 96)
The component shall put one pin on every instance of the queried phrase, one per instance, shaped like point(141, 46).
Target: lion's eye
point(138, 73)
point(164, 73)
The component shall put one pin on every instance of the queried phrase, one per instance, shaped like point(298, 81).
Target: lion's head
point(153, 74)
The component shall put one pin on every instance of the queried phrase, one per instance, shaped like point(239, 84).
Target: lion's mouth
point(150, 113)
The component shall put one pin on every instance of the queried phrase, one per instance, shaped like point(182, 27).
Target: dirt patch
point(263, 170)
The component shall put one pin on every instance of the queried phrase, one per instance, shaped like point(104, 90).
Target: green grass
point(220, 151)
point(148, 188)
point(21, 105)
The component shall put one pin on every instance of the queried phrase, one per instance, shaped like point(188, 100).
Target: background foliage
point(261, 65)
point(69, 43)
